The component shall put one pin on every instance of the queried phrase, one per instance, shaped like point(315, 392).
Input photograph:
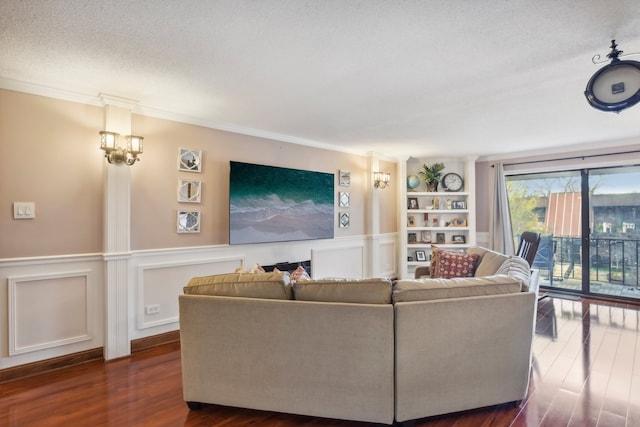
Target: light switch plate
point(24, 210)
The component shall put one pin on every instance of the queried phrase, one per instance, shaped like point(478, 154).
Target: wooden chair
point(528, 246)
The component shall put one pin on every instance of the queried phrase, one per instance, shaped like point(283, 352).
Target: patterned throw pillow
point(298, 274)
point(452, 264)
point(435, 253)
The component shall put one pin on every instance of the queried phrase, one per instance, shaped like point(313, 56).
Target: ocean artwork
point(274, 204)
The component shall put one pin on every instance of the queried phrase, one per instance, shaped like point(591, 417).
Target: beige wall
point(48, 156)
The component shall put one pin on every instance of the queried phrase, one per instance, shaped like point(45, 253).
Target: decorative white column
point(373, 224)
point(117, 233)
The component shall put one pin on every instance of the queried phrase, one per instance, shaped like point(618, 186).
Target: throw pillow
point(435, 253)
point(298, 274)
point(257, 269)
point(455, 264)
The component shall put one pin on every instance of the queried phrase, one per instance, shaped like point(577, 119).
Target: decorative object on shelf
point(458, 239)
point(431, 175)
point(412, 203)
point(458, 205)
point(116, 154)
point(344, 219)
point(421, 256)
point(435, 221)
point(189, 191)
point(459, 222)
point(345, 199)
point(615, 86)
point(189, 160)
point(411, 221)
point(412, 238)
point(439, 237)
point(188, 221)
point(413, 182)
point(452, 182)
point(426, 236)
point(381, 179)
point(435, 204)
point(344, 178)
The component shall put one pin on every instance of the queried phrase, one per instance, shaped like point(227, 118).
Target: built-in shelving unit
point(442, 218)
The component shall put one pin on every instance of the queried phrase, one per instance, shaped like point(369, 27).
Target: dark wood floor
point(586, 373)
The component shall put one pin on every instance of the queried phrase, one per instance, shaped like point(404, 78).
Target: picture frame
point(188, 221)
point(189, 160)
point(344, 199)
point(421, 256)
point(412, 238)
point(459, 238)
point(426, 236)
point(459, 222)
point(440, 238)
point(189, 191)
point(458, 204)
point(344, 179)
point(411, 221)
point(412, 203)
point(344, 219)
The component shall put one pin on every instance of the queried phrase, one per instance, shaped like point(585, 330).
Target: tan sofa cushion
point(431, 289)
point(263, 285)
point(518, 268)
point(362, 291)
point(489, 262)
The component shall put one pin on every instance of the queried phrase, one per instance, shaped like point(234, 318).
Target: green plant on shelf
point(432, 175)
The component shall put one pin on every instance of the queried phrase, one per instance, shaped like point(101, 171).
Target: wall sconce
point(381, 179)
point(615, 86)
point(116, 154)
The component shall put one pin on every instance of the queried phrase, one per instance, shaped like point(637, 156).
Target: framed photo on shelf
point(459, 222)
point(411, 221)
point(421, 256)
point(456, 204)
point(412, 238)
point(439, 237)
point(458, 239)
point(412, 203)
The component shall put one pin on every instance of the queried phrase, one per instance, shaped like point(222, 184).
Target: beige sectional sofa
point(365, 350)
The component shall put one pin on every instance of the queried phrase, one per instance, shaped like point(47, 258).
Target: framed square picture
point(189, 191)
point(412, 238)
point(344, 178)
point(458, 239)
point(344, 198)
point(458, 205)
point(421, 256)
point(412, 203)
point(189, 160)
point(439, 237)
point(188, 221)
point(411, 221)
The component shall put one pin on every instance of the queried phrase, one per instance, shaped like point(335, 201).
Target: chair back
point(528, 246)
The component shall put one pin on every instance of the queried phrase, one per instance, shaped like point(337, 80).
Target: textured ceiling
point(456, 77)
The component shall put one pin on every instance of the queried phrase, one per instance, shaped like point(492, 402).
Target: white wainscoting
point(347, 262)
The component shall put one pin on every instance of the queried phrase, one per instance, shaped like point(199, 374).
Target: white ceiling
point(421, 77)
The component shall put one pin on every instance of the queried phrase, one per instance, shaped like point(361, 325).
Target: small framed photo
point(344, 178)
point(412, 203)
point(459, 222)
point(458, 239)
point(189, 160)
point(411, 221)
point(426, 236)
point(344, 219)
point(345, 199)
point(439, 237)
point(412, 238)
point(421, 256)
point(458, 205)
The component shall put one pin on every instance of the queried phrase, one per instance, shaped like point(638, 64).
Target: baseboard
point(59, 362)
point(67, 360)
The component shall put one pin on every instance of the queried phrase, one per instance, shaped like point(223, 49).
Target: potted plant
point(432, 175)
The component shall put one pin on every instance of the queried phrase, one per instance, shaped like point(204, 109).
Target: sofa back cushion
point(432, 289)
point(261, 285)
point(489, 262)
point(359, 291)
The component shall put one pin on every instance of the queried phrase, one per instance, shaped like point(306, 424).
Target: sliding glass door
point(588, 222)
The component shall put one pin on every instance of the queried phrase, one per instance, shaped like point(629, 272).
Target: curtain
point(500, 232)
